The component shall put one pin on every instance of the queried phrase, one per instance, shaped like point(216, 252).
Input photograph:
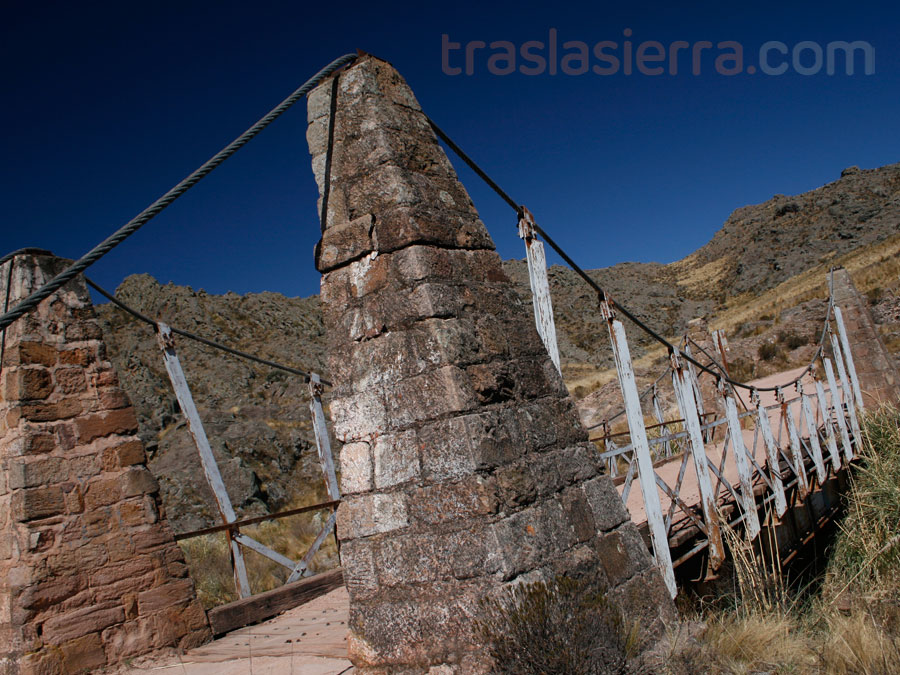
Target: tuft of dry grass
point(852, 626)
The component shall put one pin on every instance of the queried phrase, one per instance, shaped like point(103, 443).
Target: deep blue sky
point(108, 104)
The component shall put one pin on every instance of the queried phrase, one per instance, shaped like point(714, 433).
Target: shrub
point(791, 340)
point(767, 351)
point(563, 626)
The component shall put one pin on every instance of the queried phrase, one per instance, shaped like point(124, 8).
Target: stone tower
point(878, 376)
point(465, 467)
point(89, 570)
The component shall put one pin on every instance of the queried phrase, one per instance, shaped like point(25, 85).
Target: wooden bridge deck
point(312, 639)
point(308, 640)
point(690, 492)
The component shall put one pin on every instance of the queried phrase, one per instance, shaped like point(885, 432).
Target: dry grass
point(209, 558)
point(871, 267)
point(852, 624)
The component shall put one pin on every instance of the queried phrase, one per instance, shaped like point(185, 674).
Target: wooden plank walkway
point(307, 640)
point(690, 492)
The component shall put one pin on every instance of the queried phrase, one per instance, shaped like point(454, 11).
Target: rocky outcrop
point(257, 418)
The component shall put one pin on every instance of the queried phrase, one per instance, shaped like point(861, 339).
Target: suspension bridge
point(463, 466)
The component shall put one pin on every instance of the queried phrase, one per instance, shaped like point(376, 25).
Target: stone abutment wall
point(878, 376)
point(89, 570)
point(465, 467)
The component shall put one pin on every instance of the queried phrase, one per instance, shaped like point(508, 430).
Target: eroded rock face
point(90, 574)
point(465, 467)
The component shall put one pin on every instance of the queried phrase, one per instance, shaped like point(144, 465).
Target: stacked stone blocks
point(879, 379)
point(464, 466)
point(89, 571)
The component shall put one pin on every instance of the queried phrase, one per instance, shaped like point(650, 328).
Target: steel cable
point(156, 207)
point(601, 294)
point(191, 336)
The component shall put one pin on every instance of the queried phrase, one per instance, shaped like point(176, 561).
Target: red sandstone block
point(39, 502)
point(152, 538)
point(106, 378)
point(112, 594)
point(31, 353)
point(132, 638)
point(49, 412)
point(41, 663)
point(40, 444)
point(44, 471)
point(83, 654)
point(160, 598)
point(77, 357)
point(127, 454)
point(75, 624)
point(51, 591)
point(74, 498)
point(138, 481)
point(70, 380)
point(194, 616)
point(120, 547)
point(129, 570)
point(28, 384)
point(137, 512)
point(95, 426)
point(130, 605)
point(102, 492)
point(113, 398)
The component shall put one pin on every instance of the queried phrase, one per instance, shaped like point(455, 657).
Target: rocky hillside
point(257, 418)
point(258, 421)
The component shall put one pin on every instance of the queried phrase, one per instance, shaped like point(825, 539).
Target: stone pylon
point(90, 573)
point(875, 368)
point(464, 466)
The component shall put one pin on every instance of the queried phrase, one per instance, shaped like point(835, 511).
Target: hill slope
point(258, 421)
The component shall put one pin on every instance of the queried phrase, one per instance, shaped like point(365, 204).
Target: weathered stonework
point(465, 467)
point(878, 376)
point(90, 573)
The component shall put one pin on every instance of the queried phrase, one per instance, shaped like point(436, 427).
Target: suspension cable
point(157, 207)
point(601, 294)
point(202, 340)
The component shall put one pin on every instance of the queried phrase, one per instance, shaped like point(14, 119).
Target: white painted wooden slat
point(748, 504)
point(698, 394)
point(848, 357)
point(688, 406)
point(241, 580)
point(646, 474)
point(657, 411)
point(846, 391)
point(323, 443)
point(838, 410)
point(829, 427)
point(765, 428)
point(540, 289)
point(813, 431)
point(207, 460)
point(302, 567)
point(262, 549)
point(796, 449)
